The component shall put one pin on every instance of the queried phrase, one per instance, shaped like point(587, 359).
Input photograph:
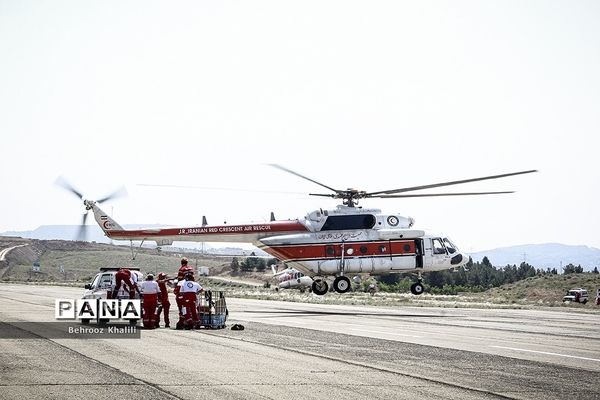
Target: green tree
point(253, 264)
point(260, 265)
point(235, 266)
point(436, 279)
point(572, 269)
point(389, 279)
point(525, 271)
point(248, 264)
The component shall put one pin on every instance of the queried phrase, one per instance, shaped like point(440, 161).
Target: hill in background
point(548, 289)
point(543, 256)
point(74, 261)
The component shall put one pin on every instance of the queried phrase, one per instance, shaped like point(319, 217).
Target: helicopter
point(330, 243)
point(291, 278)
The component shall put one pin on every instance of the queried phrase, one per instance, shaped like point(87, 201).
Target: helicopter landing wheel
point(341, 284)
point(320, 287)
point(417, 288)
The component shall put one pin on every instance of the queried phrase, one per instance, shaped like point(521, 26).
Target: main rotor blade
point(390, 196)
point(302, 176)
point(215, 188)
point(120, 192)
point(410, 189)
point(62, 182)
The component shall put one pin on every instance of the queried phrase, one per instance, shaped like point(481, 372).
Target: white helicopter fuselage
point(337, 245)
point(346, 240)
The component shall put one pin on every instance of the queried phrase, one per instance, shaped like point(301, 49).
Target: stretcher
point(212, 310)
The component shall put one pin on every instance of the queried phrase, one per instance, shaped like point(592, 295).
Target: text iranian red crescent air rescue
point(225, 229)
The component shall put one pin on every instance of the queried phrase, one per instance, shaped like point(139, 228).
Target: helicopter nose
point(459, 260)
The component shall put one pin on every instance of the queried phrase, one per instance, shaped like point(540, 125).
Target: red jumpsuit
point(125, 275)
point(183, 270)
point(164, 300)
point(150, 291)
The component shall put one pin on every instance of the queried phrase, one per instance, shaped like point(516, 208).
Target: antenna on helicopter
point(350, 197)
point(82, 231)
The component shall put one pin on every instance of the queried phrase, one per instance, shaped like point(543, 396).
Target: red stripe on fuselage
point(275, 227)
point(334, 250)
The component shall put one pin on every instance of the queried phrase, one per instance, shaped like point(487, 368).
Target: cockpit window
point(438, 246)
point(339, 222)
point(450, 246)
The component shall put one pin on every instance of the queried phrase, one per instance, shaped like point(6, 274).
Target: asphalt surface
point(308, 351)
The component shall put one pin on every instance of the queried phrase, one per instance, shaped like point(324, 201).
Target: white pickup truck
point(578, 295)
point(103, 283)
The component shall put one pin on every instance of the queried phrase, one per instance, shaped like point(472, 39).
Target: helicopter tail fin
point(103, 219)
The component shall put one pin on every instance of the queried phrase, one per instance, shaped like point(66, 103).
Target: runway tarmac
point(295, 350)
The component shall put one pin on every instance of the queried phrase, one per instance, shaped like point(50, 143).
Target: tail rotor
point(82, 231)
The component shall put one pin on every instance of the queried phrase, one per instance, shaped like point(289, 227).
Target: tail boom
point(250, 233)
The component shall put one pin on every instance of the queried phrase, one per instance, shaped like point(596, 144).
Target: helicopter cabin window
point(341, 222)
point(438, 246)
point(450, 246)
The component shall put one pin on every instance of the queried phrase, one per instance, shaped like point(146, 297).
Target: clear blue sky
point(373, 95)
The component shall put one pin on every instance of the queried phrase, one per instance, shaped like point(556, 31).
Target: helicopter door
point(434, 252)
point(439, 252)
point(419, 253)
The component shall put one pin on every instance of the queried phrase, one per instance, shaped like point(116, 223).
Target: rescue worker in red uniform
point(165, 305)
point(130, 279)
point(183, 270)
point(150, 291)
point(188, 290)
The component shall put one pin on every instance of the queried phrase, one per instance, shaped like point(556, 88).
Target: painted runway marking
point(547, 353)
